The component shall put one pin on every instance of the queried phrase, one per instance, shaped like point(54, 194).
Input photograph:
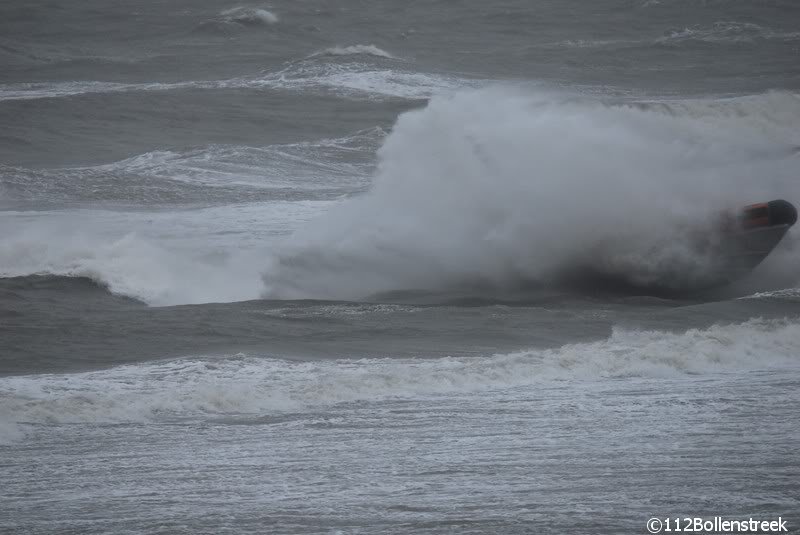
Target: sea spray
point(499, 187)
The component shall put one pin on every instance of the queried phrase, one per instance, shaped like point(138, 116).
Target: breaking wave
point(249, 15)
point(205, 255)
point(239, 18)
point(254, 387)
point(132, 265)
point(355, 50)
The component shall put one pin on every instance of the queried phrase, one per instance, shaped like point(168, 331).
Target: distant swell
point(313, 170)
point(726, 32)
point(353, 79)
point(719, 33)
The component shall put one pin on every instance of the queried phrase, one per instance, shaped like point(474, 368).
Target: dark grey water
point(358, 267)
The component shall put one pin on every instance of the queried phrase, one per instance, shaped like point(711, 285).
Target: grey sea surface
point(393, 267)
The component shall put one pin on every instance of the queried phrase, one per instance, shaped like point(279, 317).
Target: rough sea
point(351, 266)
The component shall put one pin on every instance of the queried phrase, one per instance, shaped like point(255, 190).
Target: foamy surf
point(259, 386)
point(160, 258)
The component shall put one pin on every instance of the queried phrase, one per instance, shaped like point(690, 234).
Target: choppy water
point(360, 267)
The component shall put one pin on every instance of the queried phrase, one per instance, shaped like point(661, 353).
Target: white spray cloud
point(497, 186)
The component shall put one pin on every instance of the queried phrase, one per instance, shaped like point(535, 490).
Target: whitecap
point(354, 50)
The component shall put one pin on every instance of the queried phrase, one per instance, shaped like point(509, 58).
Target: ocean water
point(393, 267)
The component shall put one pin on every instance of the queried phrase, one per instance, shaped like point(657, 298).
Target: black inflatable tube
point(782, 213)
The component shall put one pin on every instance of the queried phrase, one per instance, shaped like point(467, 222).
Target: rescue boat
point(748, 237)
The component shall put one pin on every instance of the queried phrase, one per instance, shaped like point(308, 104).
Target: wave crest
point(248, 386)
point(249, 16)
point(354, 50)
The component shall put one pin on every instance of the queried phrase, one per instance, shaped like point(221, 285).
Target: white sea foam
point(240, 385)
point(499, 186)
